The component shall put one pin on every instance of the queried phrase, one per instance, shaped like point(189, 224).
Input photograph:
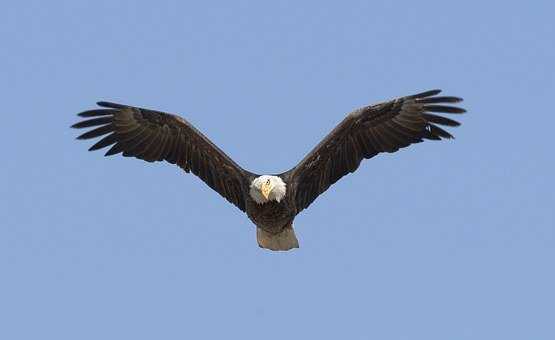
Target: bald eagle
point(271, 201)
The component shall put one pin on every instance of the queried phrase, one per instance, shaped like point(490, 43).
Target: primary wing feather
point(385, 127)
point(156, 136)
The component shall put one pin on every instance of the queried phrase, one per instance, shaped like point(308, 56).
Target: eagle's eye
point(268, 182)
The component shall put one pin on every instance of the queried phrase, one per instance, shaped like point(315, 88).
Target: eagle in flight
point(271, 201)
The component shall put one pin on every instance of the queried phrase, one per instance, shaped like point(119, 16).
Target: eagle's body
point(273, 217)
point(271, 201)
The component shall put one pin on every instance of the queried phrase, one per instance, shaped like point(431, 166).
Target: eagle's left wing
point(364, 133)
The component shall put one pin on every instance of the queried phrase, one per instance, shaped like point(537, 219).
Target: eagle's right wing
point(155, 136)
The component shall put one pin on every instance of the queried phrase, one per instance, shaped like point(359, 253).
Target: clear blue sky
point(449, 240)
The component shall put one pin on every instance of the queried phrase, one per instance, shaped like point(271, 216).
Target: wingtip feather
point(110, 105)
point(426, 93)
point(444, 109)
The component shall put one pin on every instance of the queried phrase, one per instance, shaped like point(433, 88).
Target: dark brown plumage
point(157, 136)
point(386, 127)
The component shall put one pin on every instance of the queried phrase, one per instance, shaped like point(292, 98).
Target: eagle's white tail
point(285, 240)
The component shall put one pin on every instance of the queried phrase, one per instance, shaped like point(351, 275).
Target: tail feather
point(286, 240)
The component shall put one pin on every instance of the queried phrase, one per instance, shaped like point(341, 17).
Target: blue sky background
point(450, 240)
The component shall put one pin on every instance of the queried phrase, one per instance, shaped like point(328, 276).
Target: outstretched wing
point(364, 133)
point(155, 136)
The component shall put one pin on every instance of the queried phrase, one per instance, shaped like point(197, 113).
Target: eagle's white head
point(267, 188)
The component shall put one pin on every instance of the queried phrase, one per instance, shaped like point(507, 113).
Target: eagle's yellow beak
point(266, 189)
